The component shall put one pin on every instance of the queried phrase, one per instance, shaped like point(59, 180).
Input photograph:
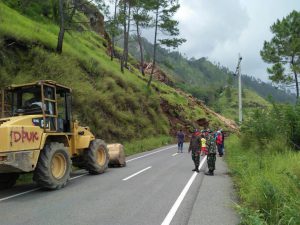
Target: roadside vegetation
point(136, 146)
point(264, 160)
point(264, 163)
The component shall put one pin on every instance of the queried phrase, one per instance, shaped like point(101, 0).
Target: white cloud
point(208, 24)
point(220, 29)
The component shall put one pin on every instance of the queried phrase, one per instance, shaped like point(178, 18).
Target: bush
point(281, 122)
point(268, 182)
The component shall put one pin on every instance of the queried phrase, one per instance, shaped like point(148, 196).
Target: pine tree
point(61, 33)
point(283, 51)
point(164, 11)
point(142, 20)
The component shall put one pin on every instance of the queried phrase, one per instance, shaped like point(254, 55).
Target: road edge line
point(16, 195)
point(180, 198)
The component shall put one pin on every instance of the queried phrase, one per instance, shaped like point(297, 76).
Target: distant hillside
point(205, 80)
point(227, 103)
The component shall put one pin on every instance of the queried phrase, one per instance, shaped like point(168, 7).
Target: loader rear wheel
point(7, 180)
point(96, 157)
point(53, 167)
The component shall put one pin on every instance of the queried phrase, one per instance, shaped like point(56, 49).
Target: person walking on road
point(180, 140)
point(223, 139)
point(211, 157)
point(219, 141)
point(195, 149)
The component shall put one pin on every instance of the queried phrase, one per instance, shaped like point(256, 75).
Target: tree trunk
point(124, 33)
point(154, 48)
point(141, 48)
point(297, 85)
point(296, 78)
point(112, 53)
point(127, 35)
point(62, 28)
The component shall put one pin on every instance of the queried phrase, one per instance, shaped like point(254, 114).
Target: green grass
point(25, 179)
point(228, 105)
point(268, 182)
point(136, 146)
point(180, 106)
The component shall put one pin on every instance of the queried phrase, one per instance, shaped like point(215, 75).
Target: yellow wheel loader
point(37, 135)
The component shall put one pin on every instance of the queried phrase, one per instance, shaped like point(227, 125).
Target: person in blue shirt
point(180, 140)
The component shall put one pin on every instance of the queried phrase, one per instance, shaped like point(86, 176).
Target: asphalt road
point(156, 187)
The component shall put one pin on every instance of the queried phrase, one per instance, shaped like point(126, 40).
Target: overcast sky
point(220, 29)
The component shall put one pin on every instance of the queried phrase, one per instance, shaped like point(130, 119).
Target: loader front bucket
point(116, 155)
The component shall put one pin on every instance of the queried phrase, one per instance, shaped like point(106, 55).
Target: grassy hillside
point(117, 107)
point(227, 103)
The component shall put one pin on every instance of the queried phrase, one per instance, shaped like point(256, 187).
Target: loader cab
point(48, 100)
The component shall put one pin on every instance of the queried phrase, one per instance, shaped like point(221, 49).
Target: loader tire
point(96, 157)
point(7, 180)
point(53, 167)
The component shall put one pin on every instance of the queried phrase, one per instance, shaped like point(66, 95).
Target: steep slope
point(117, 107)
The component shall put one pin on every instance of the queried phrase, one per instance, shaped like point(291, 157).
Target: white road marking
point(35, 189)
point(73, 178)
point(16, 195)
point(149, 154)
point(175, 154)
point(32, 190)
point(176, 205)
point(127, 178)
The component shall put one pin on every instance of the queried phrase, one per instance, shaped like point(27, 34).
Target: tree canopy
point(283, 51)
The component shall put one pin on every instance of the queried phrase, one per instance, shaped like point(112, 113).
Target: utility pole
point(238, 73)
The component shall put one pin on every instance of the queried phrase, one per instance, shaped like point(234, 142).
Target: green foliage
point(141, 145)
point(268, 184)
point(283, 51)
point(281, 122)
point(39, 9)
point(227, 103)
point(166, 24)
point(228, 93)
point(264, 167)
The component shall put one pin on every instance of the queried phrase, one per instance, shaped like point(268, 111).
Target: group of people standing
point(205, 142)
